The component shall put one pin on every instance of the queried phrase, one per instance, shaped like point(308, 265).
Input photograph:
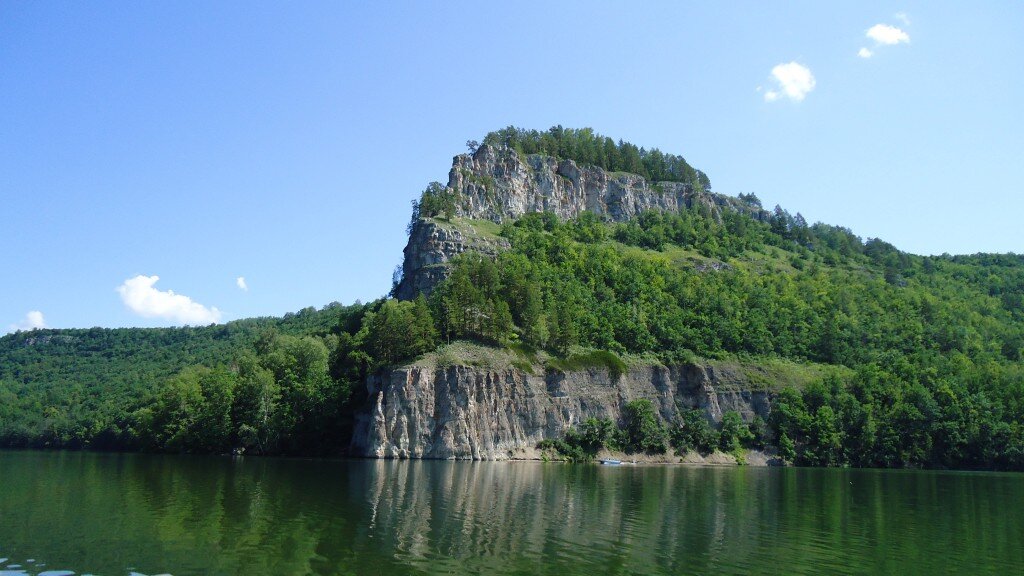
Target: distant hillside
point(76, 387)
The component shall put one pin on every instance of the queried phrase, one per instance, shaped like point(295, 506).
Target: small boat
point(611, 462)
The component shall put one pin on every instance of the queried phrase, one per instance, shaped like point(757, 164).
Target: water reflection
point(114, 514)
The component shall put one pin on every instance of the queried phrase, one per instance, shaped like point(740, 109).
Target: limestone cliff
point(467, 413)
point(498, 184)
point(432, 243)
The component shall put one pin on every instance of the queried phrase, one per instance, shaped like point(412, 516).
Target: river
point(65, 513)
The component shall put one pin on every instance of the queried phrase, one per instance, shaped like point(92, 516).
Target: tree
point(398, 331)
point(733, 433)
point(436, 200)
point(192, 412)
point(309, 398)
point(256, 406)
point(643, 430)
point(694, 432)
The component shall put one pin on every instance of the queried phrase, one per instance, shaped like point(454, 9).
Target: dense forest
point(934, 344)
point(922, 355)
point(78, 388)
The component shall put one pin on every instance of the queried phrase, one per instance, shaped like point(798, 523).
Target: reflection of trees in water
point(104, 513)
point(510, 517)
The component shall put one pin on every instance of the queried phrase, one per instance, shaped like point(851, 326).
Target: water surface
point(113, 515)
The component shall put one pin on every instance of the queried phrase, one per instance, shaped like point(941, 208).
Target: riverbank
point(717, 458)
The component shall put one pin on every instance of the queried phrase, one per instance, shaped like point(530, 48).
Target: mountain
point(565, 294)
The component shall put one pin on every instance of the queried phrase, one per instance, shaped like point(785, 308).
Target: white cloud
point(902, 17)
point(794, 81)
point(865, 53)
point(32, 321)
point(240, 282)
point(888, 35)
point(139, 295)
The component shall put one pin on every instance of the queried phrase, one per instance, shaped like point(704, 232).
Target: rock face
point(468, 413)
point(431, 245)
point(498, 184)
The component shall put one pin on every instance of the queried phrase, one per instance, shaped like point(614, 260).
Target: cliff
point(473, 413)
point(464, 409)
point(433, 242)
point(498, 184)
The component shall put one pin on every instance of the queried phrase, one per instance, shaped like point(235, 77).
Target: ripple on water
point(19, 570)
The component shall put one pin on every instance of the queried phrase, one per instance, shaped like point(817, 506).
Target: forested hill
point(910, 360)
point(81, 387)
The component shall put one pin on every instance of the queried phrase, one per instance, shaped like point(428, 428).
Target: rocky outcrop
point(431, 245)
point(466, 413)
point(498, 184)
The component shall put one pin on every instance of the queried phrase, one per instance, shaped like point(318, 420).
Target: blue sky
point(282, 143)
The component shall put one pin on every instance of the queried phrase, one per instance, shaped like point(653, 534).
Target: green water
point(109, 514)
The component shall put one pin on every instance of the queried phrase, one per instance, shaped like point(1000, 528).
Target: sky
point(168, 163)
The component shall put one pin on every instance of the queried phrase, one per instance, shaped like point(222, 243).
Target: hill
point(75, 388)
point(541, 245)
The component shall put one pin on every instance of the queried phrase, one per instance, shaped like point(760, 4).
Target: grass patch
point(461, 353)
point(470, 228)
point(769, 373)
point(586, 360)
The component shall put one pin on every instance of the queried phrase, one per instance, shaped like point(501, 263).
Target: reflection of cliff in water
point(551, 518)
point(103, 513)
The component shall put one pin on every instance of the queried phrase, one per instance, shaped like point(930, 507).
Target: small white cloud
point(32, 321)
point(887, 35)
point(794, 81)
point(139, 295)
point(865, 53)
point(240, 282)
point(902, 17)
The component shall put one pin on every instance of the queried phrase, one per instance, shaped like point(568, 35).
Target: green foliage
point(582, 445)
point(281, 400)
point(473, 304)
point(643, 429)
point(192, 412)
point(733, 434)
point(398, 331)
point(436, 200)
point(694, 432)
point(938, 347)
point(83, 388)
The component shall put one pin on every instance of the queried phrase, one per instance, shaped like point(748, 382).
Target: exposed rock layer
point(479, 414)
